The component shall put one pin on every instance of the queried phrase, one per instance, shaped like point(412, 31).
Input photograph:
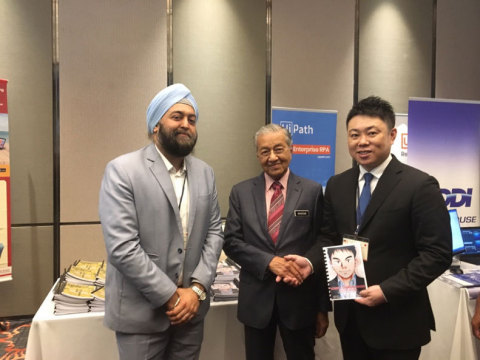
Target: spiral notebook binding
point(327, 271)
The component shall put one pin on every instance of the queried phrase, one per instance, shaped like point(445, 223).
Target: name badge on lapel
point(301, 213)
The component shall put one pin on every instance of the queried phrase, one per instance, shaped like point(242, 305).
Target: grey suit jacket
point(143, 237)
point(248, 243)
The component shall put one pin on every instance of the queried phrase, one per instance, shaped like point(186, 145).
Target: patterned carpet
point(13, 338)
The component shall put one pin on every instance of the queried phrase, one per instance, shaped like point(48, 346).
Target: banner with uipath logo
point(313, 134)
point(444, 141)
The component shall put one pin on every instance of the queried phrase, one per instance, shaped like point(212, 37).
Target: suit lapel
point(160, 173)
point(258, 194)
point(384, 188)
point(351, 198)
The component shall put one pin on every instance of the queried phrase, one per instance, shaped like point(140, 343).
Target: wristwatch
point(202, 295)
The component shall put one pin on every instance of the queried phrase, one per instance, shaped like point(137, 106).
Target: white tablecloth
point(65, 337)
point(453, 312)
point(83, 336)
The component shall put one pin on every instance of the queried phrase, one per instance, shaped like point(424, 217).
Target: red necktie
point(277, 204)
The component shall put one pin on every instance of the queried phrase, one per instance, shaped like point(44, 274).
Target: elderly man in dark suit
point(162, 230)
point(272, 215)
point(408, 228)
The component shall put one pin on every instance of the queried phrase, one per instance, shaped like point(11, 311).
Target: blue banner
point(313, 134)
point(443, 138)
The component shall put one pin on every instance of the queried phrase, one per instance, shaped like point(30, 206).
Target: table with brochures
point(69, 336)
point(74, 336)
point(84, 335)
point(453, 309)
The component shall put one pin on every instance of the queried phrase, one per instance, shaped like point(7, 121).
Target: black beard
point(171, 145)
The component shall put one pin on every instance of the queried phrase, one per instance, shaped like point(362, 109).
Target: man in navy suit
point(409, 238)
point(162, 230)
point(258, 244)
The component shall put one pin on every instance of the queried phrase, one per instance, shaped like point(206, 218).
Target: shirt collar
point(378, 171)
point(353, 282)
point(283, 180)
point(170, 168)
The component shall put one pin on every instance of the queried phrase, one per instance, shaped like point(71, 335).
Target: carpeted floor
point(13, 338)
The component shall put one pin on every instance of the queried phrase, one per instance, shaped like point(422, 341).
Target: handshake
point(291, 269)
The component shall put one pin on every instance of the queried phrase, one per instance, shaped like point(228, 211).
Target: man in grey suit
point(259, 231)
point(162, 230)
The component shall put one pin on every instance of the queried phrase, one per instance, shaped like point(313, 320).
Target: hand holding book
point(373, 296)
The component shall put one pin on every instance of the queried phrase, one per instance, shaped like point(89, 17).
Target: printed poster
point(5, 231)
point(313, 136)
point(400, 146)
point(444, 138)
point(345, 271)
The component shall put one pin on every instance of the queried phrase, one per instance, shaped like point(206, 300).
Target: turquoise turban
point(164, 100)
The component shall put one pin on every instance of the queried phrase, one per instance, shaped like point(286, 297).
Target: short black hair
point(332, 250)
point(374, 106)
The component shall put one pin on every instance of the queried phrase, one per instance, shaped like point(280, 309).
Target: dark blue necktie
point(364, 197)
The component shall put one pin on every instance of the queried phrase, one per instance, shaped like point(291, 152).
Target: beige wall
point(81, 242)
point(113, 57)
point(313, 60)
point(219, 53)
point(109, 72)
point(395, 50)
point(26, 62)
point(458, 50)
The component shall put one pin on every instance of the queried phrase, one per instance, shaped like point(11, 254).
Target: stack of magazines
point(225, 285)
point(227, 271)
point(86, 272)
point(469, 279)
point(98, 301)
point(81, 288)
point(71, 298)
